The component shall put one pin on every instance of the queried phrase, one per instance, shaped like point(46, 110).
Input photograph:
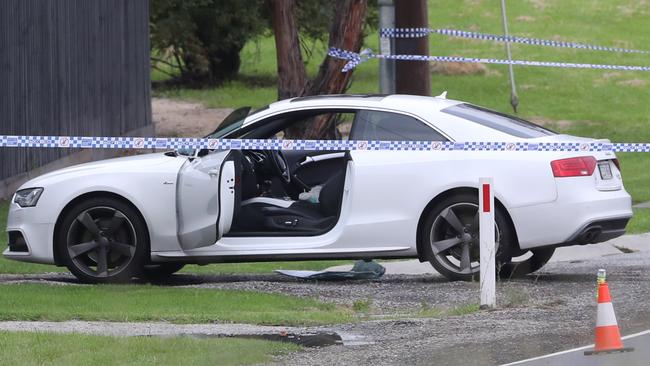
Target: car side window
point(387, 126)
point(312, 126)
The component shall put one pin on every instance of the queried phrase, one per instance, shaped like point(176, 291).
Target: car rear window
point(511, 125)
point(387, 126)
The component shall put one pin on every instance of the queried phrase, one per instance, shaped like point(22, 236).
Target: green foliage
point(203, 37)
point(23, 348)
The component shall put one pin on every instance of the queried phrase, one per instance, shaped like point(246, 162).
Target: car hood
point(138, 163)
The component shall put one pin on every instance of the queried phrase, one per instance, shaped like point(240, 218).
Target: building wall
point(74, 68)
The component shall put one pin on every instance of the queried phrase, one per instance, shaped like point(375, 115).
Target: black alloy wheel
point(451, 234)
point(103, 240)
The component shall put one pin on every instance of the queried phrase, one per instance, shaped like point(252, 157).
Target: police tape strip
point(354, 59)
point(273, 144)
point(422, 32)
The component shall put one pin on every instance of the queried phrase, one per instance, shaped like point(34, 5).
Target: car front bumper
point(27, 224)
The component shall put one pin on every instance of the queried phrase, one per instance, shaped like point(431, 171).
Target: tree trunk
point(292, 76)
point(346, 32)
point(412, 77)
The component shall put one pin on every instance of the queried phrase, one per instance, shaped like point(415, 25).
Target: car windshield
point(511, 125)
point(232, 122)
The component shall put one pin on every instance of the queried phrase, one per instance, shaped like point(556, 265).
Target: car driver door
point(206, 198)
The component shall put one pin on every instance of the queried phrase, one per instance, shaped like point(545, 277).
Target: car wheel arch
point(449, 193)
point(81, 198)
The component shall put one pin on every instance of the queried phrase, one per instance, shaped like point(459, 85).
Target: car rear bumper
point(599, 231)
point(580, 215)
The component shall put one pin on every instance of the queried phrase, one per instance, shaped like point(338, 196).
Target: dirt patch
point(635, 8)
point(539, 4)
point(525, 18)
point(458, 68)
point(173, 118)
point(610, 75)
point(637, 83)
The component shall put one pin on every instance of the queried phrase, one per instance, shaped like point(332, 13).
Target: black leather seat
point(276, 214)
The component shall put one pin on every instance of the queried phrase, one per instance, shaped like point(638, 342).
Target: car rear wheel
point(103, 240)
point(529, 262)
point(451, 237)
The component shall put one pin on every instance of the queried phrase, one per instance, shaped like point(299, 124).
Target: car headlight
point(28, 197)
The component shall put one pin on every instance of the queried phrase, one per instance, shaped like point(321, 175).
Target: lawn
point(170, 304)
point(27, 349)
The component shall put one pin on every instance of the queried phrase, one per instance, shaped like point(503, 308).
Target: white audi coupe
point(150, 214)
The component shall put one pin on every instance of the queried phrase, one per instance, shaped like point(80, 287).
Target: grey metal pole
point(386, 47)
point(514, 98)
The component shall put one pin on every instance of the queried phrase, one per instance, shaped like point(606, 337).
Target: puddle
point(305, 340)
point(323, 339)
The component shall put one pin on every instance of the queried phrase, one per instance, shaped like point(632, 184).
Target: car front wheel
point(103, 240)
point(451, 235)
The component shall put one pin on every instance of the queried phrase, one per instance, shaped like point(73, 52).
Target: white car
point(150, 214)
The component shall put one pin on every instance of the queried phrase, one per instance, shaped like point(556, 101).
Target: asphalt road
point(639, 356)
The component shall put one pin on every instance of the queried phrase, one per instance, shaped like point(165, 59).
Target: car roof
point(409, 103)
point(427, 108)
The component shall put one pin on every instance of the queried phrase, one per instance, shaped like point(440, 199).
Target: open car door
point(207, 194)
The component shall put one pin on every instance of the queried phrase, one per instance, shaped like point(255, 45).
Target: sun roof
point(328, 96)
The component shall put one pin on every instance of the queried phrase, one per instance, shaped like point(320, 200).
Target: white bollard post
point(486, 242)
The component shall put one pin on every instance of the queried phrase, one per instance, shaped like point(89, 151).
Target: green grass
point(640, 222)
point(153, 303)
point(27, 349)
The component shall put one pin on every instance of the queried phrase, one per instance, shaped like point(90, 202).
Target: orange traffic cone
point(608, 337)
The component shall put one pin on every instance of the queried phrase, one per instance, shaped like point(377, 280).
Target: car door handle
point(213, 173)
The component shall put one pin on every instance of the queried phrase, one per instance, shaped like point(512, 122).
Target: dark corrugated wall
point(71, 67)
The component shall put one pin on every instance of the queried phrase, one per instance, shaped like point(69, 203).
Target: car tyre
point(450, 237)
point(538, 258)
point(103, 240)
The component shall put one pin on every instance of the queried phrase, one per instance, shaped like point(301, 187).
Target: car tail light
point(574, 167)
point(617, 163)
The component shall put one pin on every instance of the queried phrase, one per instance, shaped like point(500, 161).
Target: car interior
point(290, 193)
point(296, 192)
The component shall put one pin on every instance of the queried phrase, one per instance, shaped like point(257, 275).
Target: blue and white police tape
point(274, 144)
point(354, 59)
point(422, 32)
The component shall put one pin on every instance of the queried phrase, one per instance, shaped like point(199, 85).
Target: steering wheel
point(280, 165)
